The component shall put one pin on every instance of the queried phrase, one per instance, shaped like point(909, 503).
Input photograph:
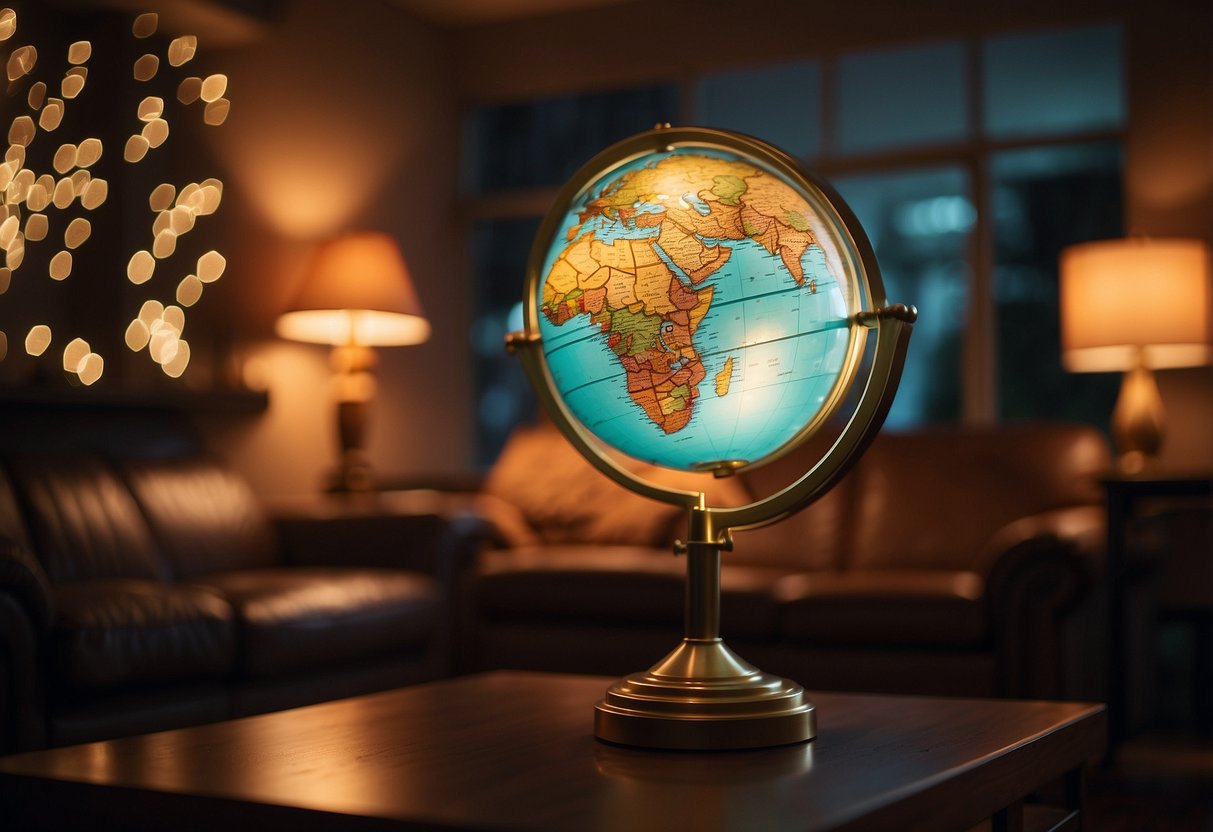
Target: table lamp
point(1135, 305)
point(356, 294)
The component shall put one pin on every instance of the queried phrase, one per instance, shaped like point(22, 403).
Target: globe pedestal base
point(704, 697)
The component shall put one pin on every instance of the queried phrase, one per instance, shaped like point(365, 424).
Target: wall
point(342, 118)
point(1169, 182)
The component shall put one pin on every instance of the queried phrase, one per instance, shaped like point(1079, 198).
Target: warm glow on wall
point(304, 188)
point(309, 170)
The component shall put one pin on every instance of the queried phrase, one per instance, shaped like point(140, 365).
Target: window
point(780, 104)
point(901, 98)
point(537, 143)
point(919, 224)
point(514, 148)
point(1046, 198)
point(500, 249)
point(1053, 82)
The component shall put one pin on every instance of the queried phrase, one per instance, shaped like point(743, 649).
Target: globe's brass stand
point(703, 695)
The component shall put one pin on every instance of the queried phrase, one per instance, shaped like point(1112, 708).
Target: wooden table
point(515, 751)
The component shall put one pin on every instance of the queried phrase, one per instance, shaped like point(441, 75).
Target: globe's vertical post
point(702, 620)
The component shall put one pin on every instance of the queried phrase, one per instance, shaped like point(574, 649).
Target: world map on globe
point(691, 310)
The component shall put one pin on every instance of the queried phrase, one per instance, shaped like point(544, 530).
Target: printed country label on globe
point(693, 309)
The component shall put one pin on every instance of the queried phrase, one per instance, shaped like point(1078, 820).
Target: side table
point(1125, 496)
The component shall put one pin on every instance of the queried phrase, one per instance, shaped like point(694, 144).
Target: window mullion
point(979, 402)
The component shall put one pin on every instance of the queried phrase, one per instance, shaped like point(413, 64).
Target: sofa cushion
point(907, 516)
point(567, 500)
point(306, 617)
point(629, 585)
point(884, 607)
point(639, 583)
point(84, 522)
point(203, 516)
point(119, 633)
point(812, 538)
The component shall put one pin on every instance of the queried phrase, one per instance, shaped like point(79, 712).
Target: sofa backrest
point(89, 518)
point(924, 499)
point(564, 499)
point(83, 521)
point(203, 516)
point(932, 498)
point(811, 538)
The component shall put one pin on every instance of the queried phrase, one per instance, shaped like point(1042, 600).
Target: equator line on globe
point(694, 309)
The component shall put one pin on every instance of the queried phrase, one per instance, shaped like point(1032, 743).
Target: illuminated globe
point(696, 300)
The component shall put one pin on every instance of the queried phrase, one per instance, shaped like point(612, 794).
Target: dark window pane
point(1045, 199)
point(1054, 82)
point(919, 223)
point(500, 249)
point(901, 98)
point(538, 143)
point(779, 104)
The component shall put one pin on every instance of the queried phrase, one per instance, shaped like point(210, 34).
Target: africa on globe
point(694, 304)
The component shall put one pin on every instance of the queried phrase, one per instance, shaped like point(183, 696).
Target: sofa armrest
point(1080, 530)
point(1037, 569)
point(26, 613)
point(22, 702)
point(425, 531)
point(23, 578)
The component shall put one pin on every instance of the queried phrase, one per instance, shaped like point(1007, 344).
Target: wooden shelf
point(216, 401)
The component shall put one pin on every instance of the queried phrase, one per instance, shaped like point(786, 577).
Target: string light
point(27, 195)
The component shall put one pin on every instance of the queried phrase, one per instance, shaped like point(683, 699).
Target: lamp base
point(704, 697)
point(352, 475)
point(353, 468)
point(1137, 421)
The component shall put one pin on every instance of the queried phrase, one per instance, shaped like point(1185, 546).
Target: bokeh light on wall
point(69, 187)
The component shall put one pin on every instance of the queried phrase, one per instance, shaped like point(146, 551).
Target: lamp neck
point(1138, 419)
point(352, 358)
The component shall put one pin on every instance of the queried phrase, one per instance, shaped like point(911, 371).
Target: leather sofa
point(143, 587)
point(956, 561)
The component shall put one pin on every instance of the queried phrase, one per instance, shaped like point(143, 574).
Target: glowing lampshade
point(1136, 305)
point(357, 292)
point(1125, 302)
